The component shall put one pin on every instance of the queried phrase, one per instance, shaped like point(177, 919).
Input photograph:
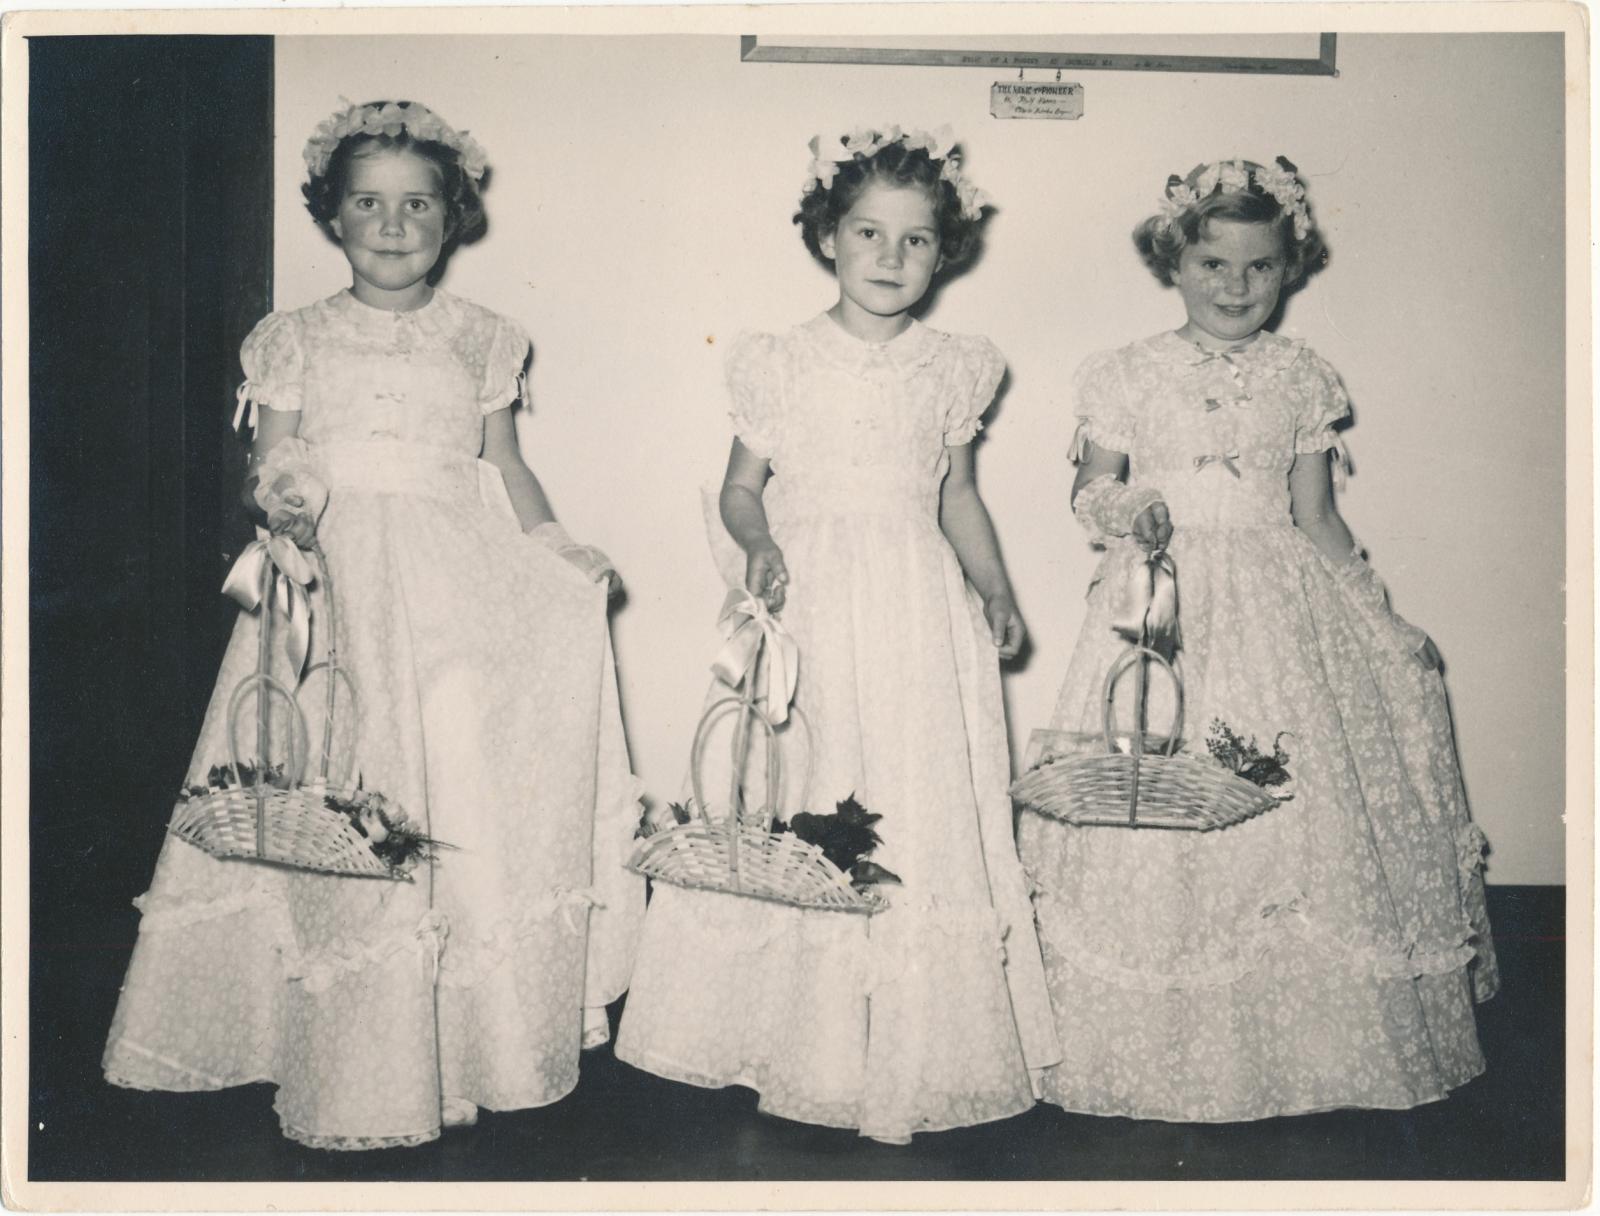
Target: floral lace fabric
point(487, 710)
point(932, 1014)
point(1327, 953)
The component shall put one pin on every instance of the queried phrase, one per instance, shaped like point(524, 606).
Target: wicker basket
point(752, 861)
point(782, 868)
point(1134, 780)
point(291, 824)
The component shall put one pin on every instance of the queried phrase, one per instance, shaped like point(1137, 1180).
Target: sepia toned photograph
point(855, 609)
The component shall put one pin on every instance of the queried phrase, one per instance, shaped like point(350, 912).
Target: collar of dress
point(439, 317)
point(1268, 353)
point(913, 347)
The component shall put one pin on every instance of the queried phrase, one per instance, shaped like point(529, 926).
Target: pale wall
point(640, 216)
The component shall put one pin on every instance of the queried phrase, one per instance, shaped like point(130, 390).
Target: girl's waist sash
point(863, 497)
point(412, 470)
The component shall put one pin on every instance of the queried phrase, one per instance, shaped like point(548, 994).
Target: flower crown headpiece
point(828, 152)
point(390, 118)
point(1236, 177)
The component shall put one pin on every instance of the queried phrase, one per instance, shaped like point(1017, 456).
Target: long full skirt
point(927, 1016)
point(1325, 954)
point(487, 709)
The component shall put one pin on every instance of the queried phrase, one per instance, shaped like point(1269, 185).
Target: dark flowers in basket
point(389, 835)
point(845, 838)
point(222, 777)
point(659, 818)
point(1246, 759)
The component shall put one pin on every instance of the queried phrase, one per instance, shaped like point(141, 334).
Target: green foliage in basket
point(1246, 759)
point(845, 838)
point(389, 834)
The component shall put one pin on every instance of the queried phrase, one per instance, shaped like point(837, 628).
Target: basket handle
point(750, 714)
point(265, 684)
point(744, 703)
point(1109, 716)
point(335, 672)
point(1138, 655)
point(331, 662)
point(777, 779)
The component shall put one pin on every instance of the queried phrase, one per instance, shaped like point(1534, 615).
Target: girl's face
point(885, 252)
point(391, 224)
point(1230, 280)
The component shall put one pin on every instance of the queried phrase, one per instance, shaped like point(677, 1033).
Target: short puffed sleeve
point(1319, 402)
point(755, 398)
point(979, 365)
point(273, 359)
point(502, 366)
point(1100, 397)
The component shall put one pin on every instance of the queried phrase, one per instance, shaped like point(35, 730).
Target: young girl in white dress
point(850, 490)
point(1327, 953)
point(476, 635)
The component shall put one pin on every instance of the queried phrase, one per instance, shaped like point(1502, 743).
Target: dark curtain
point(150, 257)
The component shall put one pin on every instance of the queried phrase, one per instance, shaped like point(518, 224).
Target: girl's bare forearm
point(744, 516)
point(528, 498)
point(965, 522)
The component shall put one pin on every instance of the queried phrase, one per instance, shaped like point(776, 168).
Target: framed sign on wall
point(1280, 54)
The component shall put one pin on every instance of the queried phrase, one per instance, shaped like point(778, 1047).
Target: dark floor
point(624, 1125)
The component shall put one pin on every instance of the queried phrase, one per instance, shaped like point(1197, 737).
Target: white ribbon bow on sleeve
point(275, 567)
point(751, 631)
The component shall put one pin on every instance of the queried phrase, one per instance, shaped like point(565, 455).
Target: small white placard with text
point(1031, 99)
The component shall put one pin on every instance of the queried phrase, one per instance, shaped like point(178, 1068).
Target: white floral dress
point(488, 711)
point(1328, 953)
point(932, 1015)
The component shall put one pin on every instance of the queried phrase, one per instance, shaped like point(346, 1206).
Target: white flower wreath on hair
point(390, 118)
point(828, 152)
point(1236, 177)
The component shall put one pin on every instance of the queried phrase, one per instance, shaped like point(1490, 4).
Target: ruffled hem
point(469, 964)
point(1281, 1111)
point(1281, 922)
point(163, 916)
point(175, 1077)
point(355, 1144)
point(461, 965)
point(871, 962)
point(318, 970)
point(671, 1070)
point(781, 1000)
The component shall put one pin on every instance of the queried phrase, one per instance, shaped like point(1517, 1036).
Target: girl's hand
point(1152, 527)
point(591, 562)
point(1428, 655)
point(292, 520)
point(1005, 624)
point(765, 575)
point(595, 565)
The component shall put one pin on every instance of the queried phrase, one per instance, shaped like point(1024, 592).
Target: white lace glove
point(594, 564)
point(1361, 583)
point(292, 497)
point(295, 493)
point(1107, 507)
